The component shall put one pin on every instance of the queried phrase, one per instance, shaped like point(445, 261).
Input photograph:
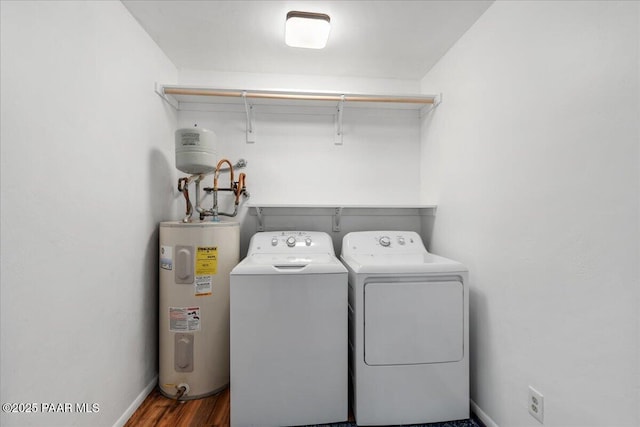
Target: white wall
point(266, 81)
point(87, 172)
point(533, 160)
point(638, 297)
point(294, 159)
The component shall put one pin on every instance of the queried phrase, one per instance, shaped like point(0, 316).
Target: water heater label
point(166, 257)
point(206, 260)
point(184, 319)
point(203, 285)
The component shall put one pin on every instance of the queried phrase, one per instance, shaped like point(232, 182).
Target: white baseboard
point(136, 403)
point(486, 419)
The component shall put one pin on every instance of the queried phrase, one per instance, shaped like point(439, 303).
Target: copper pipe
point(183, 187)
point(241, 186)
point(215, 176)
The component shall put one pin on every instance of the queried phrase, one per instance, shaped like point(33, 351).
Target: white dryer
point(408, 330)
point(289, 356)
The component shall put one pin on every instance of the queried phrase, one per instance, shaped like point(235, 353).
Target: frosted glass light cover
point(307, 30)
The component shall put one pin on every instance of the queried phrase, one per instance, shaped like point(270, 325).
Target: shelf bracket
point(437, 100)
point(338, 140)
point(248, 108)
point(160, 91)
point(336, 219)
point(260, 219)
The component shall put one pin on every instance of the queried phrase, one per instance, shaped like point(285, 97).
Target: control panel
point(295, 241)
point(373, 242)
point(400, 240)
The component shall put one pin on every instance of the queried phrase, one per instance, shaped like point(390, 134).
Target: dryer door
point(413, 322)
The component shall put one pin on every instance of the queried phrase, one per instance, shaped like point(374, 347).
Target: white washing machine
point(289, 332)
point(408, 330)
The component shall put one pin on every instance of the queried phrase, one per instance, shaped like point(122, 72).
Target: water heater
point(195, 262)
point(195, 150)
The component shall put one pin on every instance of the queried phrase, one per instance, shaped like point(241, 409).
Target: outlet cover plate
point(536, 404)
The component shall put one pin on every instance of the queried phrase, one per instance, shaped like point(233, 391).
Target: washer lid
point(290, 252)
point(289, 263)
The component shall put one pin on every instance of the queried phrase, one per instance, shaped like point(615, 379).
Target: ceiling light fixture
point(307, 29)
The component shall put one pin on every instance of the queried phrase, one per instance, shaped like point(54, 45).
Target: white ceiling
point(377, 39)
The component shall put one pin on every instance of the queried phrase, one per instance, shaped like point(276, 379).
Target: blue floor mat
point(459, 423)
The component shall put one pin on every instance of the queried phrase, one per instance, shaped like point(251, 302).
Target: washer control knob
point(274, 241)
point(291, 241)
point(308, 241)
point(401, 240)
point(385, 241)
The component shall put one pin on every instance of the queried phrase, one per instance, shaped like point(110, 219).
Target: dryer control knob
point(385, 241)
point(308, 241)
point(291, 241)
point(274, 241)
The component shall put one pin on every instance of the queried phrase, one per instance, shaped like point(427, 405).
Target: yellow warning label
point(206, 260)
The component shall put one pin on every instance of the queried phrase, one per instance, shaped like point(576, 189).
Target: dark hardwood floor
point(213, 411)
point(160, 411)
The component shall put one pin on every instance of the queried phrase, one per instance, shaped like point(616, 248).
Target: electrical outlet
point(536, 404)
